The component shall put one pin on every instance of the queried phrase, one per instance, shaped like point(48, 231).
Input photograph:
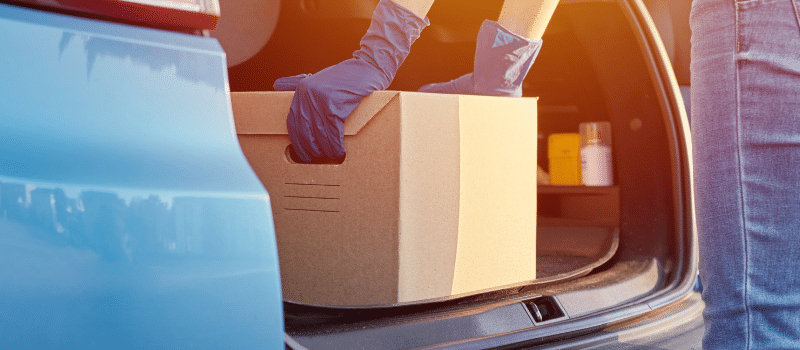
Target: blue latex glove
point(324, 100)
point(502, 60)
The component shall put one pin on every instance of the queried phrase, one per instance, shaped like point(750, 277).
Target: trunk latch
point(544, 309)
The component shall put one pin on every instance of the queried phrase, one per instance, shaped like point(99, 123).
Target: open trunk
point(605, 255)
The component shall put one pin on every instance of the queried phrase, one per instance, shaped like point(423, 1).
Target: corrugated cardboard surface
point(436, 197)
point(497, 215)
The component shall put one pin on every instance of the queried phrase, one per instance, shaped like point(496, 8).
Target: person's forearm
point(418, 7)
point(527, 18)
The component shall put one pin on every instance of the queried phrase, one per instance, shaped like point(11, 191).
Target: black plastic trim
point(544, 310)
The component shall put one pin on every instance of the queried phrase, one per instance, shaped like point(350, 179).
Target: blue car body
point(129, 217)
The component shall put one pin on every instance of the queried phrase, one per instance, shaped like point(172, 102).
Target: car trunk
point(604, 254)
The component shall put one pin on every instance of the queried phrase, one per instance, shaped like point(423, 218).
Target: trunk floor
point(553, 265)
point(564, 253)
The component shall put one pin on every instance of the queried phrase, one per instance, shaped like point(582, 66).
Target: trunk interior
point(599, 249)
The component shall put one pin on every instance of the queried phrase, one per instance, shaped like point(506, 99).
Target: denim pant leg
point(746, 136)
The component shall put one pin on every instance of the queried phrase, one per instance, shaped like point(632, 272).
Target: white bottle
point(596, 164)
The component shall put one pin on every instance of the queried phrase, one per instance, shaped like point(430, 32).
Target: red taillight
point(188, 14)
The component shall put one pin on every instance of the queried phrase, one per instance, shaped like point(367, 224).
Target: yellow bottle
point(564, 153)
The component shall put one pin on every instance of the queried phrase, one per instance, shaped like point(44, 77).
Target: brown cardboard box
point(436, 197)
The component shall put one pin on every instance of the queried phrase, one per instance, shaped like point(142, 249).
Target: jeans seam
point(743, 218)
point(796, 14)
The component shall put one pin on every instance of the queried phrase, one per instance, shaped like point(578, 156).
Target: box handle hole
point(293, 158)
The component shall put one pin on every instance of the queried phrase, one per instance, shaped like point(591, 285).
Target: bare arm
point(418, 7)
point(527, 18)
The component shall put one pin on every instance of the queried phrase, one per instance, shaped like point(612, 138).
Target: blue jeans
point(746, 136)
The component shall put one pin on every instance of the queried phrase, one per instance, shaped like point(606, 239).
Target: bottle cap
point(595, 133)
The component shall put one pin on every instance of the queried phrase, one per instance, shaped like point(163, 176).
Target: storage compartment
point(579, 206)
point(436, 198)
point(611, 251)
point(578, 230)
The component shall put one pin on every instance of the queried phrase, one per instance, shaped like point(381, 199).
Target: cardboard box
point(435, 198)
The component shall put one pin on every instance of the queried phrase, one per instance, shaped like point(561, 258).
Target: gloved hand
point(289, 83)
point(324, 100)
point(502, 60)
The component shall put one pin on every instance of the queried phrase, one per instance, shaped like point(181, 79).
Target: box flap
point(264, 112)
point(257, 112)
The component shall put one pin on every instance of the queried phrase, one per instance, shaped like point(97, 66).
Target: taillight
point(185, 14)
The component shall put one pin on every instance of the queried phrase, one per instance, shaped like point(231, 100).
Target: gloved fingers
point(321, 104)
point(502, 60)
point(323, 101)
point(461, 85)
point(302, 139)
point(289, 83)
